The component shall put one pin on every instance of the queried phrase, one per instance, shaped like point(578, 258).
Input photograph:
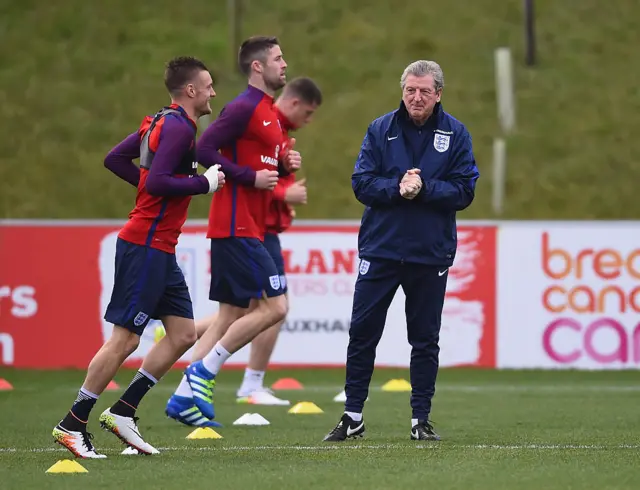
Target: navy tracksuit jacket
point(408, 243)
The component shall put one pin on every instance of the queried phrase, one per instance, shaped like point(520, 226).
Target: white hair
point(423, 68)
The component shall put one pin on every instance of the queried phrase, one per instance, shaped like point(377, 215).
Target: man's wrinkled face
point(420, 96)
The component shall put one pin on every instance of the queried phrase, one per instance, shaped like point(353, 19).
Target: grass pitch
point(501, 430)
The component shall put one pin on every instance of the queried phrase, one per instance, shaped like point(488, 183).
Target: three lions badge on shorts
point(275, 282)
point(364, 266)
point(140, 318)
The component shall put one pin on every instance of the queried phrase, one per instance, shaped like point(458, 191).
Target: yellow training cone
point(305, 407)
point(67, 466)
point(204, 433)
point(397, 385)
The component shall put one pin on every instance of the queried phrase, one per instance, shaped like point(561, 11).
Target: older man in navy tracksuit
point(415, 170)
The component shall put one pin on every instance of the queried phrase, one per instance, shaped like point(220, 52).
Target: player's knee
point(183, 338)
point(132, 344)
point(189, 337)
point(278, 309)
point(123, 340)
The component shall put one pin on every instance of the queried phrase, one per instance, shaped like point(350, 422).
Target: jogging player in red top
point(243, 273)
point(296, 105)
point(148, 282)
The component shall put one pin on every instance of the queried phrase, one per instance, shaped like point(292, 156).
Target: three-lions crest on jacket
point(441, 142)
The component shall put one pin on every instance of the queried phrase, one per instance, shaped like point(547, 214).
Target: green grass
point(77, 76)
point(501, 430)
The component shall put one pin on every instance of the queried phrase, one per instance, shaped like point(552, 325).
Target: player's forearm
point(125, 169)
point(168, 185)
point(120, 159)
point(242, 175)
point(164, 178)
point(223, 133)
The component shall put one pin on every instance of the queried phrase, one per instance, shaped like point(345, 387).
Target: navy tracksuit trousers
point(424, 287)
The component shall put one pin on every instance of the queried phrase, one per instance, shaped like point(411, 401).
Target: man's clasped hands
point(411, 184)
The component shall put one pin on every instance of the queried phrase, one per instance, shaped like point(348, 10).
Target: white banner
point(322, 267)
point(569, 295)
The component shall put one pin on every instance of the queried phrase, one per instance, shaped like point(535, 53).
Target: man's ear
point(257, 66)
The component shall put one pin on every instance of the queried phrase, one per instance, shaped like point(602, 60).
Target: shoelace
point(86, 441)
point(427, 427)
point(337, 428)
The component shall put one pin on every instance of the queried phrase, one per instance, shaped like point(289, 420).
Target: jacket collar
point(405, 119)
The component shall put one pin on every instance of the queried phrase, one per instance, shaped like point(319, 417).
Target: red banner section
point(49, 295)
point(55, 280)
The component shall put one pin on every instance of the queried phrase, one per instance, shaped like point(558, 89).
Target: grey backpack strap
point(146, 157)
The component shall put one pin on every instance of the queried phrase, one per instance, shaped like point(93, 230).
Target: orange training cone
point(112, 386)
point(287, 384)
point(5, 385)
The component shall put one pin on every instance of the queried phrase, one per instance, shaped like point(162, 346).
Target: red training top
point(280, 213)
point(167, 177)
point(248, 133)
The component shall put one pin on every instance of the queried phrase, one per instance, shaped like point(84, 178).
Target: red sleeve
point(280, 190)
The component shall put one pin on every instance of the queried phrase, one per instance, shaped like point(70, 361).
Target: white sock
point(184, 389)
point(148, 375)
point(214, 360)
point(414, 422)
point(356, 417)
point(88, 393)
point(252, 380)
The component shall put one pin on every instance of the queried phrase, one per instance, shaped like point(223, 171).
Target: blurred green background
point(76, 76)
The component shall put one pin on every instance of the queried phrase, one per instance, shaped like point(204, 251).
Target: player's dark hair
point(180, 71)
point(305, 89)
point(255, 48)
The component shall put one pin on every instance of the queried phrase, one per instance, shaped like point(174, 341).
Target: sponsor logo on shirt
point(269, 160)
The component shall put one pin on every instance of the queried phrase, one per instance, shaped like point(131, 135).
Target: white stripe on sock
point(85, 391)
point(146, 373)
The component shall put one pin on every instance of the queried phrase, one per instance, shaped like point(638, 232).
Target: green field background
point(76, 76)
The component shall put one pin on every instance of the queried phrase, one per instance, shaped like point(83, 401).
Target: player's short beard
point(275, 84)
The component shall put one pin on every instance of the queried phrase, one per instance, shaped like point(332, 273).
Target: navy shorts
point(242, 269)
point(272, 244)
point(148, 284)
